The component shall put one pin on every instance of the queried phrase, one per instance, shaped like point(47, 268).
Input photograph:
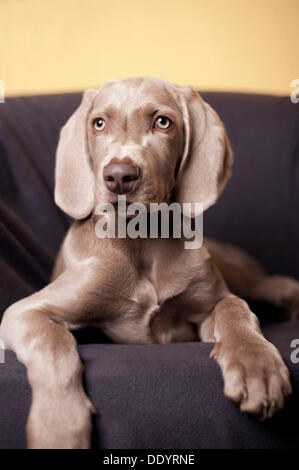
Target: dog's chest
point(168, 269)
point(159, 279)
point(133, 324)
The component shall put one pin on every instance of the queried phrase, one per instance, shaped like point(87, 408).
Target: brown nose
point(121, 178)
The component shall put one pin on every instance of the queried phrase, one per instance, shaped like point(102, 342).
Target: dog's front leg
point(254, 373)
point(60, 414)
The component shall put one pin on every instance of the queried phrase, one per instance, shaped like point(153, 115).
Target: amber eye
point(162, 122)
point(99, 124)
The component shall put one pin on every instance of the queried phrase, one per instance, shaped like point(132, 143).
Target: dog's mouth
point(142, 194)
point(124, 200)
point(145, 192)
point(127, 198)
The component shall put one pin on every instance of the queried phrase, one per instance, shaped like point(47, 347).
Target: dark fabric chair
point(154, 396)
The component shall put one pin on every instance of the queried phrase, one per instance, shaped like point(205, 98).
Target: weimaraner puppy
point(154, 142)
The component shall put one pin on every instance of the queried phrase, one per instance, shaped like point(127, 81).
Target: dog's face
point(136, 138)
point(147, 138)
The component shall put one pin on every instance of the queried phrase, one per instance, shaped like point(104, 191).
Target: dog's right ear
point(74, 181)
point(207, 158)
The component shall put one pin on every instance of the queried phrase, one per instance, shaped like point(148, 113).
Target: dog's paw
point(254, 374)
point(60, 421)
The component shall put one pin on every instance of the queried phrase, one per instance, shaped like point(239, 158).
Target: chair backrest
point(258, 210)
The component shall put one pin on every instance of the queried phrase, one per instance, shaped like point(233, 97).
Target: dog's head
point(143, 137)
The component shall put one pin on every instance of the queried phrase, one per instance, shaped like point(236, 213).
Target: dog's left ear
point(207, 159)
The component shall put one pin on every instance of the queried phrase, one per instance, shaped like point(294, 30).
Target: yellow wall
point(63, 45)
